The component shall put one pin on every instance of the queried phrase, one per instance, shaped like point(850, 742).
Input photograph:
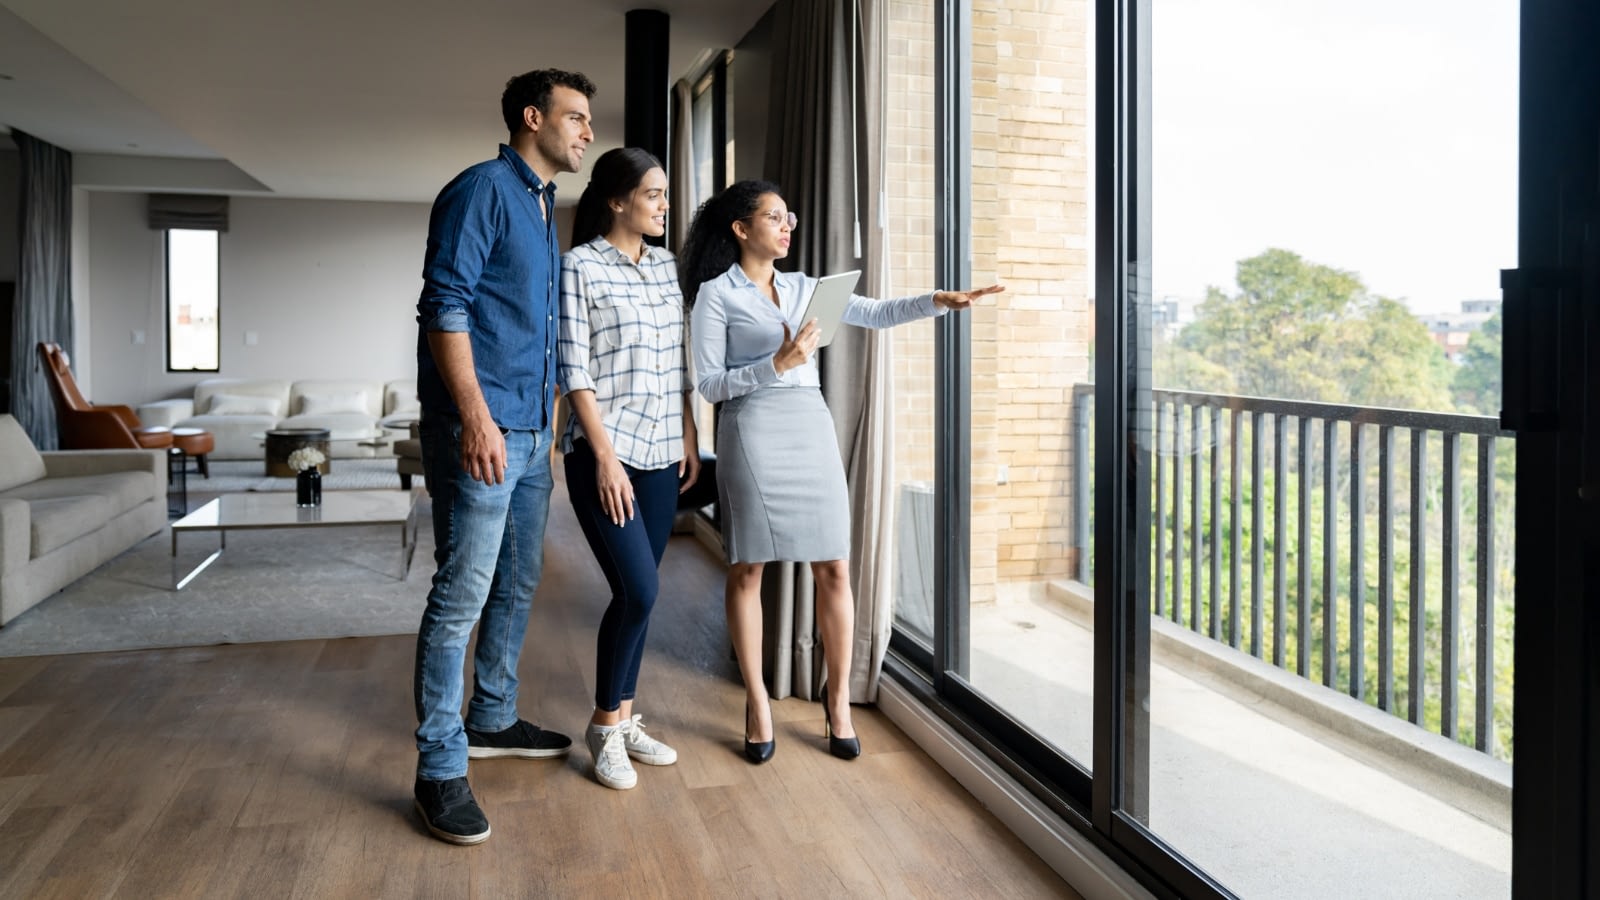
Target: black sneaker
point(449, 811)
point(524, 740)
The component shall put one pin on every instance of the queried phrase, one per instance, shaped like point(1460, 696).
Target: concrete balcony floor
point(1271, 800)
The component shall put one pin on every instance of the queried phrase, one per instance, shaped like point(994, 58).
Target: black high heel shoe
point(757, 752)
point(842, 747)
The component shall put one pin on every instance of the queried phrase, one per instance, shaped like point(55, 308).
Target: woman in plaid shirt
point(630, 445)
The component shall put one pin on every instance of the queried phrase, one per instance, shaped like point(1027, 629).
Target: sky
point(1375, 136)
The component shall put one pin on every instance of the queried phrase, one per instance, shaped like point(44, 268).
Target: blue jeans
point(630, 555)
point(489, 546)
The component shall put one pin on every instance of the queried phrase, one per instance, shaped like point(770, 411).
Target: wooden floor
point(284, 770)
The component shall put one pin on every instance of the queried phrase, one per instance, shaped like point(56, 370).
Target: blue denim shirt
point(492, 269)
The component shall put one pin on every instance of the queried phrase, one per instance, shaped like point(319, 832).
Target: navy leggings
point(629, 555)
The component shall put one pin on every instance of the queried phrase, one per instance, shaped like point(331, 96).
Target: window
point(193, 290)
point(711, 149)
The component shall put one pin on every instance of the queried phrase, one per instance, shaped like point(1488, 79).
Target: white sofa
point(65, 512)
point(238, 410)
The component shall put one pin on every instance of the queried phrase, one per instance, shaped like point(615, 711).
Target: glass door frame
point(1552, 322)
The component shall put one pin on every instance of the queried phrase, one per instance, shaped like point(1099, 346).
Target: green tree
point(1305, 331)
point(1477, 382)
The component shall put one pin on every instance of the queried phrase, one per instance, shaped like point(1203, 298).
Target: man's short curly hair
point(533, 89)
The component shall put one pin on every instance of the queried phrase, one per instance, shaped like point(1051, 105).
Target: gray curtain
point(43, 309)
point(817, 142)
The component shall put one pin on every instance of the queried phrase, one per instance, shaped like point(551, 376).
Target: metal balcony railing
point(1226, 564)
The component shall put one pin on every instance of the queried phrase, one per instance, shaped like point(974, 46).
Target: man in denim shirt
point(486, 373)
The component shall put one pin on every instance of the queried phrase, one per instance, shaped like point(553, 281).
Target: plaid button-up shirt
point(622, 336)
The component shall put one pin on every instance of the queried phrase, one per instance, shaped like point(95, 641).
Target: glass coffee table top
point(277, 509)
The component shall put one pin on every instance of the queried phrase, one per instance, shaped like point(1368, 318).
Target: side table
point(280, 442)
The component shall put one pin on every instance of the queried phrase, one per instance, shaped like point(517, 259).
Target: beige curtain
point(680, 168)
point(869, 459)
point(824, 113)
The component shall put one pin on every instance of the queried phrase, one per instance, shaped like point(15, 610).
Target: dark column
point(1551, 366)
point(648, 94)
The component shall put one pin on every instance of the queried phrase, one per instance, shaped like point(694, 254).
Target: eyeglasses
point(777, 219)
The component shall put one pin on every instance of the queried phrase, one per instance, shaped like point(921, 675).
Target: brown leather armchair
point(85, 426)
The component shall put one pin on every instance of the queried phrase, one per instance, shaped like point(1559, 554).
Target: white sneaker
point(643, 747)
point(611, 766)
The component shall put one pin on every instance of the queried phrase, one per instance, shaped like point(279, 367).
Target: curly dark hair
point(533, 89)
point(616, 173)
point(711, 248)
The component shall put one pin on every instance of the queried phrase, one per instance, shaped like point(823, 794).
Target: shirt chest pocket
point(616, 324)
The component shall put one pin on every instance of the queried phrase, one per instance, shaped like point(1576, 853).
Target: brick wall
point(1030, 231)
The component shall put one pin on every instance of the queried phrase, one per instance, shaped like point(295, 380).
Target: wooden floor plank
point(29, 840)
point(15, 791)
point(18, 673)
point(285, 770)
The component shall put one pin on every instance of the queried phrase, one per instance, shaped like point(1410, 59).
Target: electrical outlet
point(1002, 474)
point(251, 338)
point(137, 337)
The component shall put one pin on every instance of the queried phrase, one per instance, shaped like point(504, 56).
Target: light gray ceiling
point(339, 99)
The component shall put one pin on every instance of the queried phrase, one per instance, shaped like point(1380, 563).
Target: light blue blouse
point(735, 330)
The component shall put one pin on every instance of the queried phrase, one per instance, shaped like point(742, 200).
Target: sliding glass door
point(1313, 345)
point(1208, 522)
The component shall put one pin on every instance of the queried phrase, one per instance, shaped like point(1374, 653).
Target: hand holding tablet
point(828, 302)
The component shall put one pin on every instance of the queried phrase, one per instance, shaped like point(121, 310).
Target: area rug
point(272, 585)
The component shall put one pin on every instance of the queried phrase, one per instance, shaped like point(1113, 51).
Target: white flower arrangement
point(306, 458)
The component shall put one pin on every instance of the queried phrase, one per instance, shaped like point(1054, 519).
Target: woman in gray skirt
point(780, 481)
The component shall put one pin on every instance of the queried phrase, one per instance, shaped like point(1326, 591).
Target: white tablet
point(827, 303)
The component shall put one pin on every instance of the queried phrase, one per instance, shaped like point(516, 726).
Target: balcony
point(1353, 745)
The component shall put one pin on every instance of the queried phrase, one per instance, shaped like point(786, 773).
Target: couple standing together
point(503, 320)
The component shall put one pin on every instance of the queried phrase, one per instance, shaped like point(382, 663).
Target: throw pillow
point(20, 462)
point(242, 405)
point(333, 403)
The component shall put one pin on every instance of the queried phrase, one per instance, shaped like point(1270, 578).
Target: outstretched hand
point(796, 349)
point(964, 299)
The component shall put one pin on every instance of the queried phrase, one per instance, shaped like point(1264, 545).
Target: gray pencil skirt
point(779, 478)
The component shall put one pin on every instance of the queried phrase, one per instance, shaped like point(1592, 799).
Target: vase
point(308, 487)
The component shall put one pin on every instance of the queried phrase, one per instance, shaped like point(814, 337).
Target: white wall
point(82, 287)
point(329, 288)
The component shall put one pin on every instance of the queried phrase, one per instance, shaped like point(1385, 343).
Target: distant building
point(1169, 314)
point(1452, 330)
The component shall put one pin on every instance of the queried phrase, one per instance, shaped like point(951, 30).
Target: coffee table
point(277, 509)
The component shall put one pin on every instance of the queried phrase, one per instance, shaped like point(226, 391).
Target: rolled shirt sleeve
point(460, 233)
point(574, 334)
